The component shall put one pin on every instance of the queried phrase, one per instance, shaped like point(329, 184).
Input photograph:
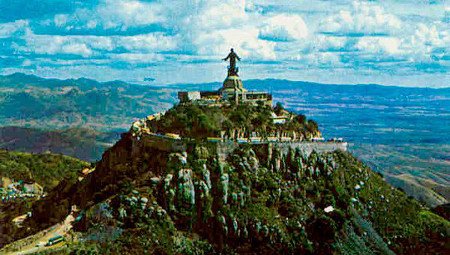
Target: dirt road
point(36, 243)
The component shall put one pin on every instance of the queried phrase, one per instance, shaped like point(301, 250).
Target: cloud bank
point(390, 42)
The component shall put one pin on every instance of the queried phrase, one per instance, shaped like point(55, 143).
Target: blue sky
point(390, 42)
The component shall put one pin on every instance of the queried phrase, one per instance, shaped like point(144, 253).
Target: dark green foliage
point(282, 211)
point(190, 120)
point(278, 109)
point(45, 169)
point(255, 199)
point(196, 121)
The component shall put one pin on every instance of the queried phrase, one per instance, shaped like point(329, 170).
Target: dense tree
point(197, 121)
point(278, 109)
point(45, 169)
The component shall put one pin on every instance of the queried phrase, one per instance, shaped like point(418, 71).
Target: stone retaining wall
point(223, 149)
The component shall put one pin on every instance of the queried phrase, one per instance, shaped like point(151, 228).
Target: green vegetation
point(45, 169)
point(235, 198)
point(196, 121)
point(250, 203)
point(48, 170)
point(270, 208)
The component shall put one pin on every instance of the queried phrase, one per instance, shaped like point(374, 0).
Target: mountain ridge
point(405, 121)
point(166, 194)
point(218, 83)
point(85, 144)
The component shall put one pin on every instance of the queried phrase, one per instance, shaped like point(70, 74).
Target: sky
point(389, 42)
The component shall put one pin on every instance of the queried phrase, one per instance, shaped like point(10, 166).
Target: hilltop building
point(232, 90)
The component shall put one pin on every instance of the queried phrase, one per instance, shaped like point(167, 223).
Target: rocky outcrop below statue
point(152, 194)
point(224, 148)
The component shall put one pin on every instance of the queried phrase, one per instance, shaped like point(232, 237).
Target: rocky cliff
point(145, 197)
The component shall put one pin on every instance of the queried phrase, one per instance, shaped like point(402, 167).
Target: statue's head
point(232, 50)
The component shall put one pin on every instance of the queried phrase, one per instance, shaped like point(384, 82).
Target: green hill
point(46, 169)
point(410, 146)
point(200, 122)
point(158, 195)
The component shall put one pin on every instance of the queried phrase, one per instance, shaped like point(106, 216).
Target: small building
point(279, 119)
point(318, 139)
point(186, 96)
point(33, 188)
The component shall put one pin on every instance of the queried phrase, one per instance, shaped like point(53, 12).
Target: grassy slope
point(382, 218)
point(410, 168)
point(45, 169)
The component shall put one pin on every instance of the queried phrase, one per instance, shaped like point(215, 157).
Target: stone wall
point(308, 147)
point(161, 143)
point(223, 149)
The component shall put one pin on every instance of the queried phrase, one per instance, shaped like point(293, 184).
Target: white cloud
point(446, 15)
point(10, 28)
point(27, 62)
point(54, 44)
point(362, 18)
point(112, 14)
point(379, 45)
point(146, 42)
point(137, 57)
point(320, 59)
point(330, 43)
point(428, 35)
point(425, 40)
point(87, 46)
point(60, 19)
point(203, 28)
point(211, 28)
point(128, 13)
point(246, 43)
point(363, 35)
point(211, 15)
point(284, 28)
point(76, 49)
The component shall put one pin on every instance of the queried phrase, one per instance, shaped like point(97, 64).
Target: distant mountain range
point(31, 101)
point(400, 132)
point(85, 144)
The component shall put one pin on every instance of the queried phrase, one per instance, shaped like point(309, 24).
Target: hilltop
point(233, 122)
point(46, 169)
point(407, 122)
point(159, 192)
